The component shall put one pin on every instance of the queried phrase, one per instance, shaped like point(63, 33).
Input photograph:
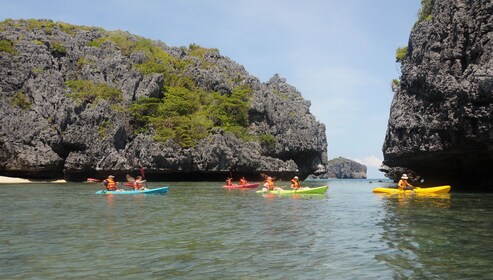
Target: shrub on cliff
point(425, 10)
point(7, 46)
point(187, 115)
point(21, 100)
point(400, 54)
point(88, 91)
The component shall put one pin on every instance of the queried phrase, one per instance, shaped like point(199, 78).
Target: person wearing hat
point(269, 185)
point(295, 183)
point(110, 183)
point(404, 184)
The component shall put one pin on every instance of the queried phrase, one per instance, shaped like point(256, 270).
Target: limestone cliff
point(441, 117)
point(65, 94)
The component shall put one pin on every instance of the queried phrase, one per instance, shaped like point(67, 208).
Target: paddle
point(143, 176)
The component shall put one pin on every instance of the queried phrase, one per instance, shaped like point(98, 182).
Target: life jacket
point(137, 185)
point(111, 185)
point(270, 184)
point(296, 184)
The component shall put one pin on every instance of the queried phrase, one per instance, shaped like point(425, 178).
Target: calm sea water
point(202, 231)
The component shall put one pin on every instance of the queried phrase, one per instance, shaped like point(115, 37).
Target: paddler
point(139, 183)
point(229, 181)
point(295, 183)
point(110, 183)
point(243, 181)
point(269, 185)
point(404, 184)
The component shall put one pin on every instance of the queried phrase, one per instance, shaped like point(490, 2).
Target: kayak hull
point(318, 190)
point(431, 190)
point(247, 186)
point(161, 190)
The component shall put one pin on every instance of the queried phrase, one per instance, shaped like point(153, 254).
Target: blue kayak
point(161, 190)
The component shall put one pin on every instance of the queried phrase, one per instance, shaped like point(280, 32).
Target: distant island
point(343, 168)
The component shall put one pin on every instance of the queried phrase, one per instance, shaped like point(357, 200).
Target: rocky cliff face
point(45, 132)
point(441, 117)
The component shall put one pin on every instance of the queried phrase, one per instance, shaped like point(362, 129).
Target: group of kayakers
point(112, 185)
point(270, 186)
point(243, 182)
point(138, 183)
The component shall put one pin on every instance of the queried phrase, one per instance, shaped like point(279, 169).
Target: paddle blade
point(142, 172)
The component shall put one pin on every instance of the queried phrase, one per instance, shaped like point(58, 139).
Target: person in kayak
point(110, 183)
point(404, 184)
point(295, 183)
point(243, 181)
point(229, 181)
point(269, 185)
point(139, 183)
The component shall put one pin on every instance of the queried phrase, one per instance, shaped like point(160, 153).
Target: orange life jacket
point(270, 184)
point(111, 186)
point(296, 184)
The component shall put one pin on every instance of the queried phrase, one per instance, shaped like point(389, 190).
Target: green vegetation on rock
point(21, 100)
point(88, 91)
point(7, 46)
point(400, 54)
point(188, 114)
point(425, 10)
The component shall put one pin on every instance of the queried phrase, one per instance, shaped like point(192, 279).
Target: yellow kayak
point(417, 190)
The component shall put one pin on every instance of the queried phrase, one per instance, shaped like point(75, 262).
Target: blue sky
point(340, 54)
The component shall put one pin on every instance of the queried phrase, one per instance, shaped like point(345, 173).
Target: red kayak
point(91, 180)
point(247, 186)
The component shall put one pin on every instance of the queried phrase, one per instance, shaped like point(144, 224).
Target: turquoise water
point(202, 231)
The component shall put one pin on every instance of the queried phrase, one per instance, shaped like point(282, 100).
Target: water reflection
point(426, 236)
point(418, 200)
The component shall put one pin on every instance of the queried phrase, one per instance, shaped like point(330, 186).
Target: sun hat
point(111, 176)
point(404, 176)
point(296, 177)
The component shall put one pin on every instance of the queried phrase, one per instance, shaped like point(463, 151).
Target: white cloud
point(370, 161)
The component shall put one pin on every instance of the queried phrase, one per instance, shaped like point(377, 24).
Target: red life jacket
point(137, 185)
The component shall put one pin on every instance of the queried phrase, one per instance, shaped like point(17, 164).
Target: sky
point(339, 54)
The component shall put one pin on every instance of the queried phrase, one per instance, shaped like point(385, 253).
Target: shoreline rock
point(441, 116)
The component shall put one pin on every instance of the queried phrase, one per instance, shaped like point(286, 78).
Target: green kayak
point(318, 190)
